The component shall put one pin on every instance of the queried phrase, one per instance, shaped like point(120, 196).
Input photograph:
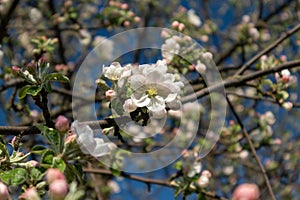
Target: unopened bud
point(4, 194)
point(58, 189)
point(62, 124)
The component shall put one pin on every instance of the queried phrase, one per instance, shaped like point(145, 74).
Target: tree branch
point(268, 49)
point(238, 80)
point(148, 181)
point(246, 135)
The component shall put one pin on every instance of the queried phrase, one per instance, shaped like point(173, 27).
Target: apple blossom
point(154, 87)
point(193, 18)
point(246, 191)
point(113, 72)
point(287, 105)
point(170, 48)
point(90, 145)
point(62, 124)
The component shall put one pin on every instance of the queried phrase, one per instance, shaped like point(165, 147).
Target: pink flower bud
point(33, 163)
point(62, 124)
point(30, 194)
point(110, 94)
point(246, 192)
point(58, 189)
point(71, 138)
point(16, 70)
point(137, 19)
point(175, 24)
point(203, 181)
point(54, 174)
point(3, 191)
point(124, 6)
point(287, 105)
point(127, 23)
point(181, 27)
point(206, 173)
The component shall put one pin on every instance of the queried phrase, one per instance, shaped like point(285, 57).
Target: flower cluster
point(147, 86)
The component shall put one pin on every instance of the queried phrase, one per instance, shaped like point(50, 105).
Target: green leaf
point(34, 90)
point(15, 176)
point(58, 163)
point(23, 91)
point(56, 77)
point(36, 174)
point(47, 157)
point(115, 172)
point(48, 87)
point(52, 136)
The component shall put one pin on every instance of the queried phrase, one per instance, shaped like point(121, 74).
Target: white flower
point(195, 169)
point(35, 15)
point(287, 105)
point(200, 67)
point(90, 145)
point(193, 18)
point(113, 72)
point(207, 55)
point(169, 48)
point(154, 87)
point(203, 181)
point(85, 37)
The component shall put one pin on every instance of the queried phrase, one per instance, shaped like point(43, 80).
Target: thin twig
point(148, 181)
point(238, 80)
point(247, 136)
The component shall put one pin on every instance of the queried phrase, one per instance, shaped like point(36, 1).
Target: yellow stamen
point(152, 92)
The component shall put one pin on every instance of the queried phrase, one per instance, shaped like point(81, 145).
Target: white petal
point(141, 102)
point(171, 97)
point(157, 104)
point(137, 81)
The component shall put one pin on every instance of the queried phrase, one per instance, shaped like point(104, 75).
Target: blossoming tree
point(199, 97)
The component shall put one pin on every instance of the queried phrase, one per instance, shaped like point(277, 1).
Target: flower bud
point(16, 71)
point(175, 24)
point(62, 124)
point(181, 27)
point(246, 192)
point(110, 94)
point(203, 181)
point(206, 173)
point(127, 23)
point(207, 55)
point(71, 138)
point(4, 194)
point(32, 163)
point(124, 6)
point(129, 106)
point(58, 189)
point(287, 105)
point(30, 194)
point(54, 174)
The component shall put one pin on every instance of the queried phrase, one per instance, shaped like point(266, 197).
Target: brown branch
point(148, 181)
point(5, 19)
point(247, 136)
point(238, 80)
point(268, 49)
point(29, 130)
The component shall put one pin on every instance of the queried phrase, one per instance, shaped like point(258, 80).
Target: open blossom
point(113, 72)
point(203, 181)
point(246, 191)
point(170, 48)
point(154, 87)
point(193, 18)
point(90, 145)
